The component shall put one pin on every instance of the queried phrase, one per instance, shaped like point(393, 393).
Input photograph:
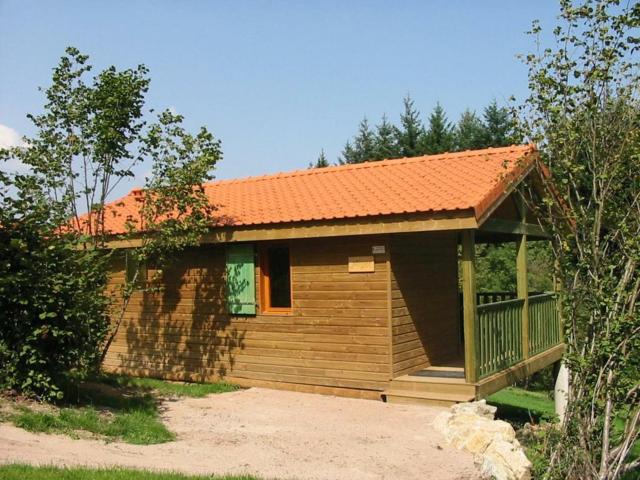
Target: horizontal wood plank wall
point(335, 341)
point(425, 302)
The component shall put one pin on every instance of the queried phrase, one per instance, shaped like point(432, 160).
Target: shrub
point(52, 321)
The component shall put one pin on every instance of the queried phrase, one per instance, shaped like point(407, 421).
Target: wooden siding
point(424, 300)
point(336, 340)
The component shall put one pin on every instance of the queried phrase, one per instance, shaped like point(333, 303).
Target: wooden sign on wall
point(361, 264)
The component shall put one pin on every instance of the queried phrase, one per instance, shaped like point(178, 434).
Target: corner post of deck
point(469, 304)
point(521, 275)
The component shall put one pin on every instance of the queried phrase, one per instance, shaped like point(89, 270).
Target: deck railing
point(499, 335)
point(544, 323)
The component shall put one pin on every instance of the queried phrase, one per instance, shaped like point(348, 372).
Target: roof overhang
point(374, 225)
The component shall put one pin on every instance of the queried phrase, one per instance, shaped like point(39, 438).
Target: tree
point(500, 126)
point(439, 137)
point(51, 317)
point(321, 162)
point(584, 112)
point(89, 139)
point(470, 132)
point(363, 147)
point(386, 143)
point(411, 130)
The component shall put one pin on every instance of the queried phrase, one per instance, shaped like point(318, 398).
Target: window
point(275, 273)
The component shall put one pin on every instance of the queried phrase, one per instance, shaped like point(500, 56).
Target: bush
point(52, 315)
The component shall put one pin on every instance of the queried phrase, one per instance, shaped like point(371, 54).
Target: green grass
point(517, 406)
point(24, 472)
point(136, 427)
point(114, 407)
point(169, 388)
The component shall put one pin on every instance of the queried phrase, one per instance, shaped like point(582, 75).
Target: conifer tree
point(363, 147)
point(411, 130)
point(470, 132)
point(321, 162)
point(440, 136)
point(386, 144)
point(500, 128)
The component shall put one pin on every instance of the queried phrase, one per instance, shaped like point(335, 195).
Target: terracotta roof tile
point(470, 180)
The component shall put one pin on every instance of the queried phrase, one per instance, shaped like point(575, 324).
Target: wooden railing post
point(521, 277)
point(469, 304)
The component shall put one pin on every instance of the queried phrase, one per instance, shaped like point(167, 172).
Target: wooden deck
point(426, 387)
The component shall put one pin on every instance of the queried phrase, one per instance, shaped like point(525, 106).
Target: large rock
point(479, 408)
point(471, 427)
point(505, 461)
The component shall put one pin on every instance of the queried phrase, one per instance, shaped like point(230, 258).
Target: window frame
point(265, 282)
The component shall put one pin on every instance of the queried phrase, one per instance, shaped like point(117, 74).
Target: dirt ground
point(271, 434)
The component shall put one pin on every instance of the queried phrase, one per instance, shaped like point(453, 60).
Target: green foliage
point(363, 147)
point(584, 112)
point(500, 127)
point(51, 319)
point(410, 138)
point(470, 133)
point(496, 270)
point(321, 162)
point(411, 130)
point(439, 136)
point(25, 472)
point(387, 141)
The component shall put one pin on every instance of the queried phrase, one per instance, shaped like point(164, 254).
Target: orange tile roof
point(451, 182)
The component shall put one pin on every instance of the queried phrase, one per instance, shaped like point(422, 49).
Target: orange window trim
point(265, 284)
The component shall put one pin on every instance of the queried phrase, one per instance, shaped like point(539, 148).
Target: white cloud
point(10, 138)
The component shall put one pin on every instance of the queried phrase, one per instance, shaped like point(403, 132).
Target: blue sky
point(277, 81)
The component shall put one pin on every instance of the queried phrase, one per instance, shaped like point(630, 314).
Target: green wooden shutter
point(241, 280)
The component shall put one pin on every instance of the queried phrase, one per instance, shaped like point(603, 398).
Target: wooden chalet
point(354, 280)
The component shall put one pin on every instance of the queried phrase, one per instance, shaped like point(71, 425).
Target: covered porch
point(505, 335)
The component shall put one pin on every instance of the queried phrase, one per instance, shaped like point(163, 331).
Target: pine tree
point(499, 126)
point(411, 130)
point(363, 147)
point(386, 144)
point(321, 162)
point(440, 136)
point(470, 132)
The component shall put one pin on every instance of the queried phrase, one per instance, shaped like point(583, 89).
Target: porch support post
point(521, 277)
point(469, 304)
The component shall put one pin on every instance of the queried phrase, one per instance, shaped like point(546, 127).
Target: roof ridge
point(375, 164)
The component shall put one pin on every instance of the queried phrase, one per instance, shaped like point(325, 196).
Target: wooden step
point(430, 385)
point(424, 398)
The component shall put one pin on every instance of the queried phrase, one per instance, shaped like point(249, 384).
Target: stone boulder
point(471, 427)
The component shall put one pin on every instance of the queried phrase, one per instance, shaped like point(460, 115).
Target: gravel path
point(271, 434)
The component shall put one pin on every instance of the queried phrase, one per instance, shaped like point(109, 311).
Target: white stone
point(479, 408)
point(441, 422)
point(471, 427)
point(503, 460)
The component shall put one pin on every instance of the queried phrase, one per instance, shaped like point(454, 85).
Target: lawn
point(113, 407)
point(24, 472)
point(518, 406)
